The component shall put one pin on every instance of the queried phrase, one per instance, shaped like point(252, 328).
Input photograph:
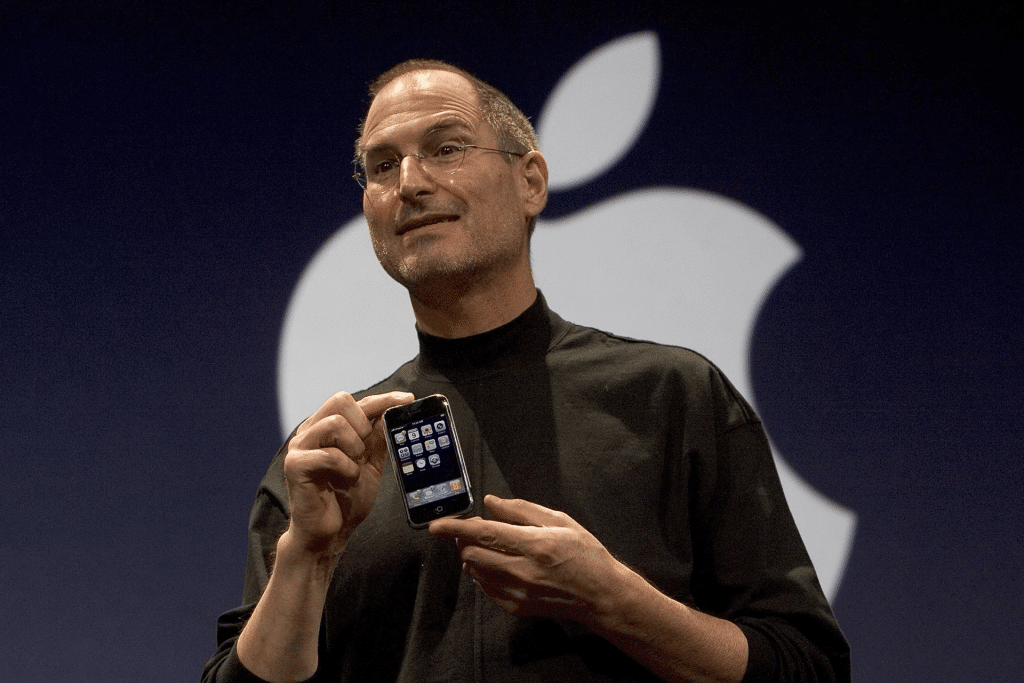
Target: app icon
point(435, 460)
point(403, 452)
point(428, 492)
point(439, 426)
point(426, 431)
point(407, 468)
point(430, 445)
point(421, 463)
point(414, 434)
point(400, 438)
point(455, 485)
point(444, 441)
point(417, 448)
point(415, 497)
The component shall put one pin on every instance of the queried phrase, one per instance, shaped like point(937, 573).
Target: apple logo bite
point(675, 265)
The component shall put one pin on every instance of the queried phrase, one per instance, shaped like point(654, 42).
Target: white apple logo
point(674, 265)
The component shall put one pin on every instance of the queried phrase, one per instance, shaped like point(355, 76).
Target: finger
point(324, 468)
point(524, 598)
point(338, 423)
point(523, 512)
point(497, 588)
point(360, 413)
point(374, 406)
point(329, 421)
point(475, 532)
point(498, 573)
point(332, 432)
point(469, 531)
point(341, 403)
point(451, 527)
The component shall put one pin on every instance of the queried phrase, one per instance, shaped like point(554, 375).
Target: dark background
point(167, 171)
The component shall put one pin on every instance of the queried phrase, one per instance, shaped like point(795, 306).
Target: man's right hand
point(333, 468)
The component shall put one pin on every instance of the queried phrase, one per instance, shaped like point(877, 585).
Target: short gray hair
point(513, 129)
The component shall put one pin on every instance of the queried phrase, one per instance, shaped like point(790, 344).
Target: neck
point(475, 310)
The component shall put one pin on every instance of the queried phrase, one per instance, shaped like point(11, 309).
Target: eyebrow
point(447, 124)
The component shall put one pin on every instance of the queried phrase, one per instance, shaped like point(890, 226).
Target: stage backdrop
point(826, 203)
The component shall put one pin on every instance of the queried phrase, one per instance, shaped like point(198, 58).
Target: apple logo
point(697, 278)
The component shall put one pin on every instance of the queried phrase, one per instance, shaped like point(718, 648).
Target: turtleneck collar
point(525, 339)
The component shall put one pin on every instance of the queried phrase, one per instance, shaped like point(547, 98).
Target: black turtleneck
point(524, 339)
point(648, 447)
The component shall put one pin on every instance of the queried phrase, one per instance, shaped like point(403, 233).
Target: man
point(632, 524)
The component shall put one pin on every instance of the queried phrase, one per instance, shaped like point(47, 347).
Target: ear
point(534, 173)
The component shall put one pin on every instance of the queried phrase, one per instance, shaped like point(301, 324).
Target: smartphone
point(427, 460)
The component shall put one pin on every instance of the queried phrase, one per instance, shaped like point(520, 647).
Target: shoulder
point(588, 345)
point(677, 374)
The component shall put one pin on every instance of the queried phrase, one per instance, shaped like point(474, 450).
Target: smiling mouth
point(424, 222)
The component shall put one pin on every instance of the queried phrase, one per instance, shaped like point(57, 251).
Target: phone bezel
point(420, 516)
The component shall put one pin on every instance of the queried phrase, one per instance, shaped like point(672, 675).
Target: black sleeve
point(267, 521)
point(753, 566)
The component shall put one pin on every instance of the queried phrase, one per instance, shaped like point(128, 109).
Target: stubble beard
point(439, 279)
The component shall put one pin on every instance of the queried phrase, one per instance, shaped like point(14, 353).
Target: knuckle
point(335, 423)
point(470, 555)
point(545, 551)
point(342, 397)
point(290, 465)
point(562, 518)
point(342, 435)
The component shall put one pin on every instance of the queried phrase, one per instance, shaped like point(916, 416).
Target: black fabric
point(649, 447)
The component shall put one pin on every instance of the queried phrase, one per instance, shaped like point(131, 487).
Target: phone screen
point(427, 459)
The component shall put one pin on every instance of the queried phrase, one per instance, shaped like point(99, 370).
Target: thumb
point(373, 407)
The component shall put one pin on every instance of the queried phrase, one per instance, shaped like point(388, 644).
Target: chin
point(441, 283)
point(419, 274)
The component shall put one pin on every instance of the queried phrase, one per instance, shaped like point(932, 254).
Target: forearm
point(673, 641)
point(279, 643)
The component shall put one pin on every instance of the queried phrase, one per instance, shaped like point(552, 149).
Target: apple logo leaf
point(616, 86)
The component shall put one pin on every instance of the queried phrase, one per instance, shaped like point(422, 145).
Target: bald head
point(511, 127)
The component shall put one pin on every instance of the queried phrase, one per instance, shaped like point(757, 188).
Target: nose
point(413, 179)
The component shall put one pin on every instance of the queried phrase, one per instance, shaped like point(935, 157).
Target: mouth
point(423, 221)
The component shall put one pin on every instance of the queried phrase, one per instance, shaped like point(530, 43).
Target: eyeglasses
point(381, 174)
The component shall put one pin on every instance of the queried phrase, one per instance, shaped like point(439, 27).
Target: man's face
point(470, 224)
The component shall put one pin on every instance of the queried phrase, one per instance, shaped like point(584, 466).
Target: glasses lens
point(447, 158)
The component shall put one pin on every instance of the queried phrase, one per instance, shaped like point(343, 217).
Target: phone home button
point(439, 509)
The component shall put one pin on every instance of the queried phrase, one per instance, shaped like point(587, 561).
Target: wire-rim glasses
point(380, 175)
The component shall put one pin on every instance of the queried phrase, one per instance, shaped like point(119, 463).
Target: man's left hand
point(535, 561)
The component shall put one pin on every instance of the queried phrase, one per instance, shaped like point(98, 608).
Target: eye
point(448, 151)
point(382, 167)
